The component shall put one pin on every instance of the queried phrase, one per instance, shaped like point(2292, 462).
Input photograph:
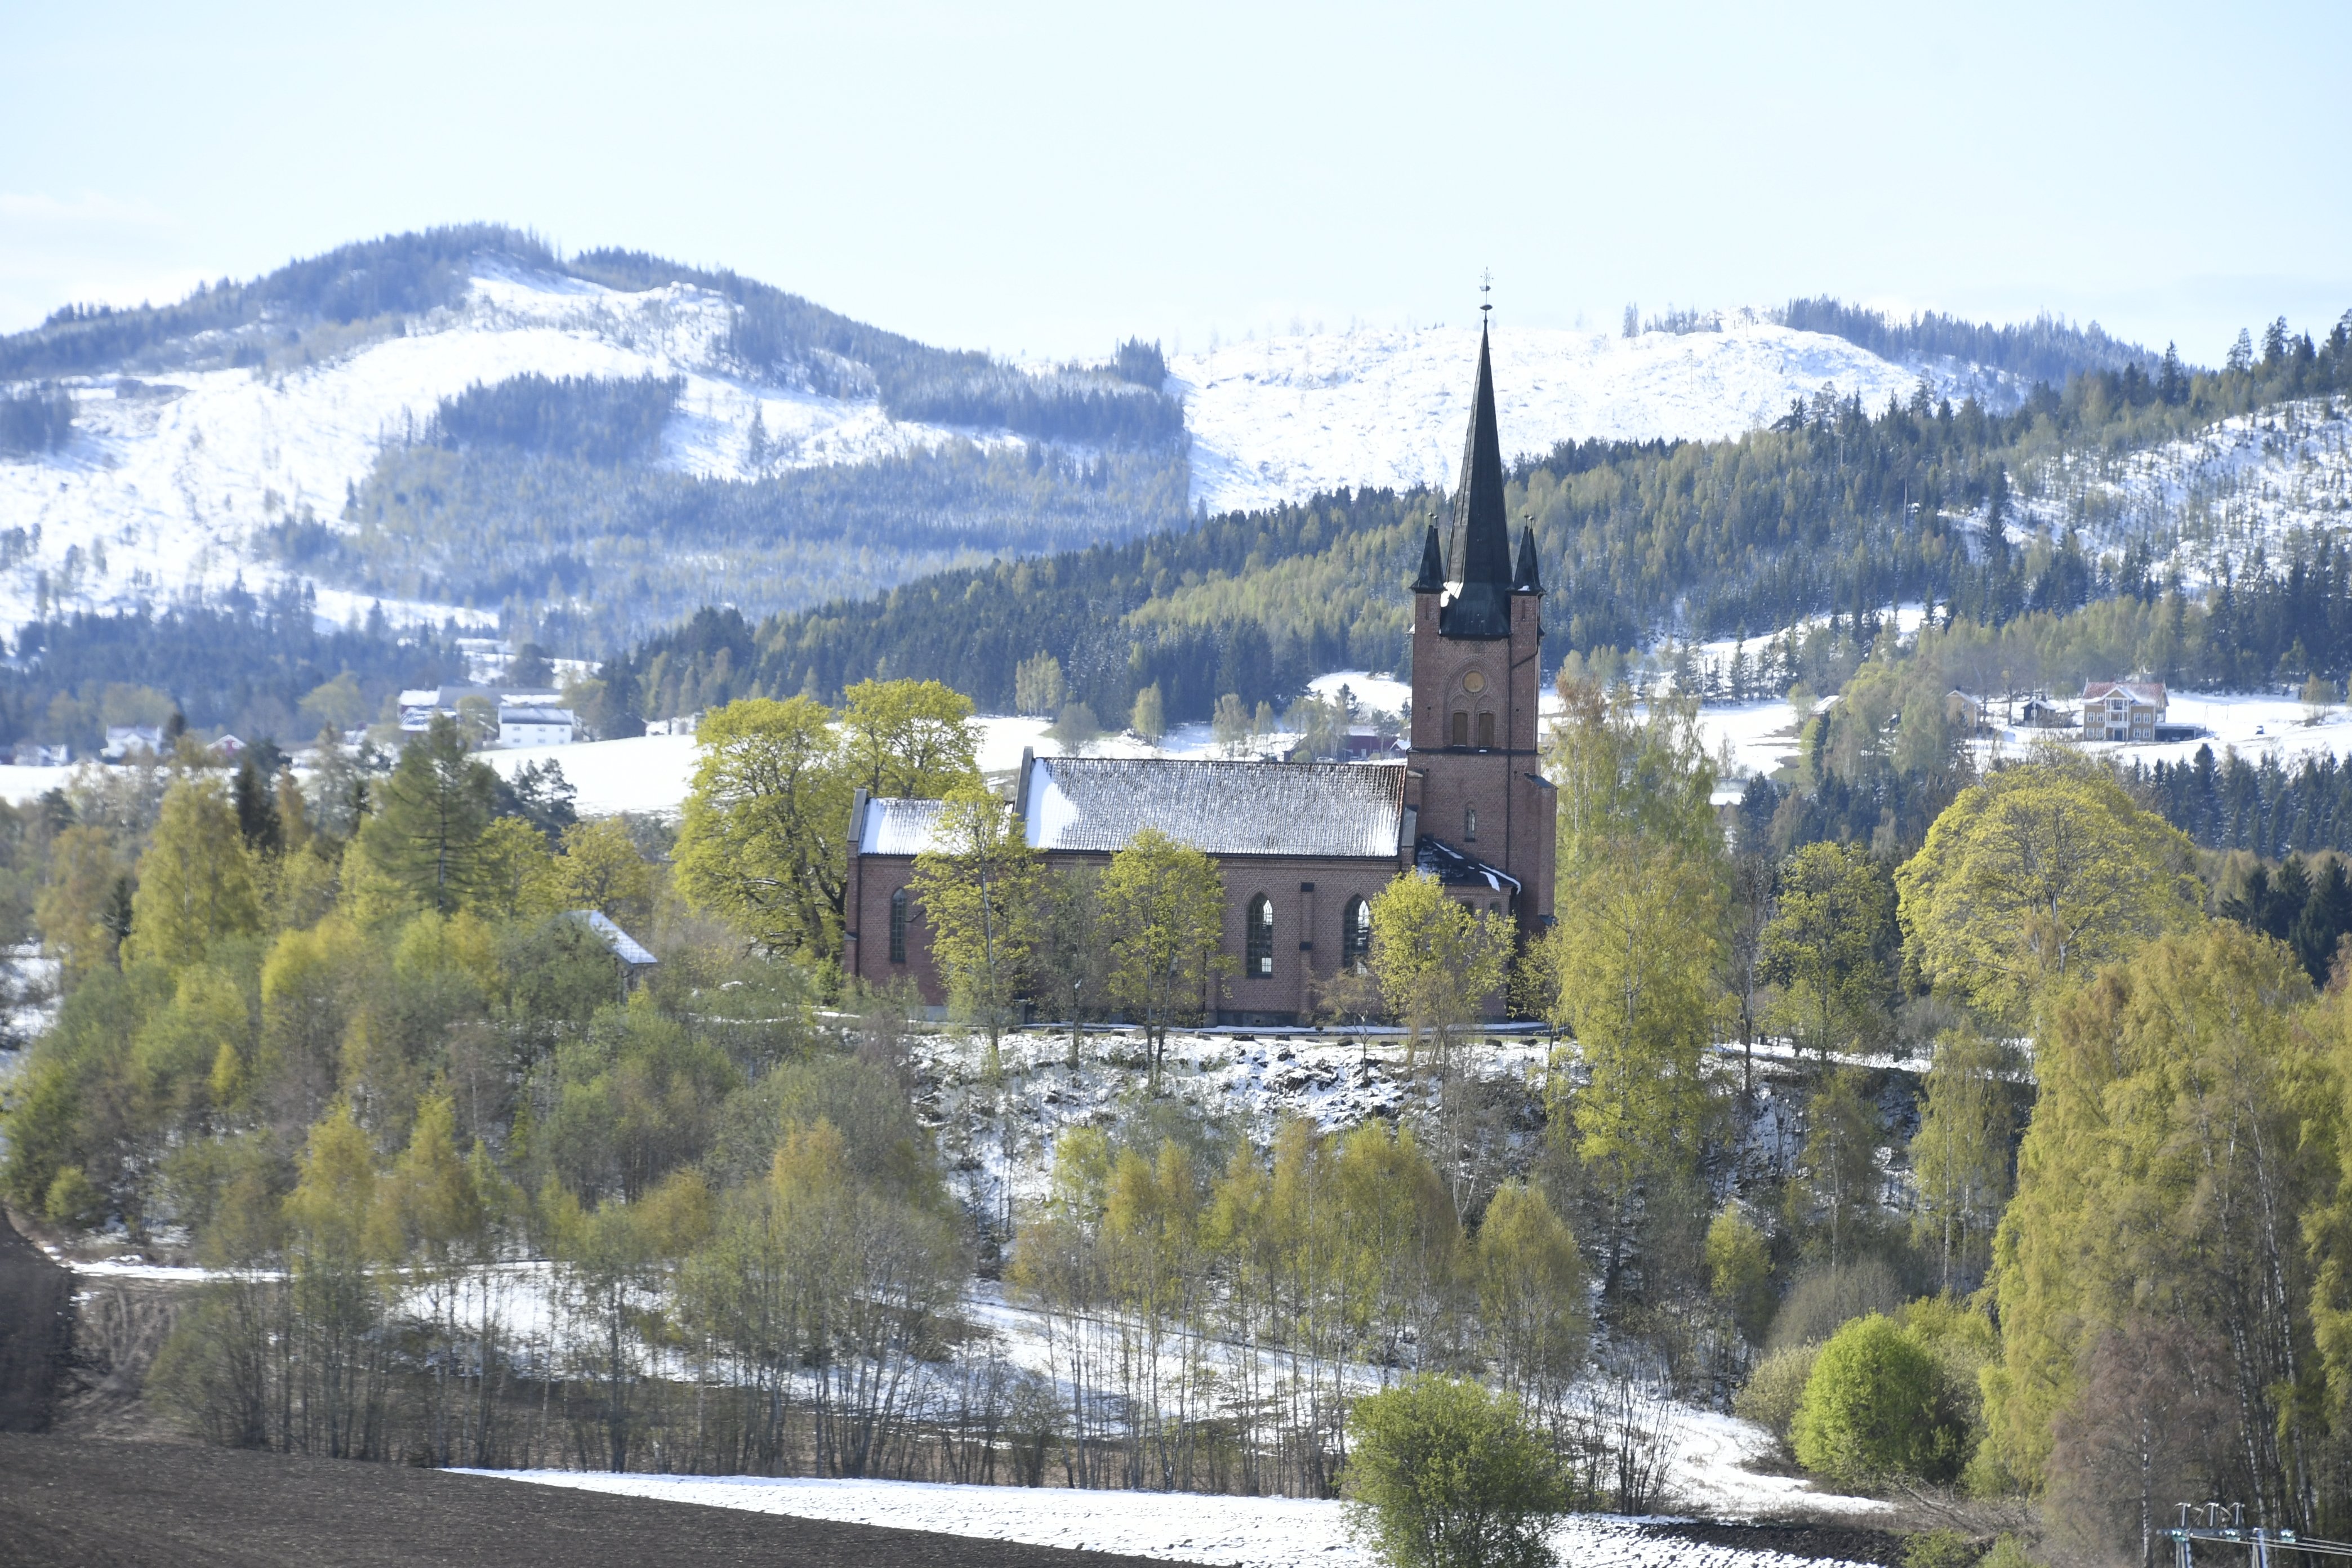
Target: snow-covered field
point(647, 774)
point(1760, 736)
point(1182, 1527)
point(1279, 418)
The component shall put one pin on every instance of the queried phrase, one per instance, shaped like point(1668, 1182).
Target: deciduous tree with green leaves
point(1438, 962)
point(2031, 880)
point(1831, 946)
point(1446, 1475)
point(1876, 1406)
point(1637, 949)
point(911, 740)
point(1531, 1298)
point(1163, 909)
point(979, 889)
point(762, 841)
point(196, 881)
point(2184, 1131)
point(1961, 1155)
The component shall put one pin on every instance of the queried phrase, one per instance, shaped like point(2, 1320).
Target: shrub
point(1776, 1388)
point(1446, 1475)
point(1941, 1549)
point(2008, 1552)
point(1824, 1300)
point(1877, 1404)
point(74, 1201)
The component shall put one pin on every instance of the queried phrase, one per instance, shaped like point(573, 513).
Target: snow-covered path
point(1182, 1527)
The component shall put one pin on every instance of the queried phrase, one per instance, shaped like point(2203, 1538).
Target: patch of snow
point(1280, 418)
point(1373, 694)
point(2206, 502)
point(649, 774)
point(20, 787)
point(1184, 1527)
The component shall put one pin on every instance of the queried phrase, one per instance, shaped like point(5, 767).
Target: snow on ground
point(2255, 723)
point(1184, 1527)
point(1282, 417)
point(1761, 736)
point(644, 774)
point(2206, 501)
point(21, 786)
point(1374, 693)
point(1246, 1083)
point(1713, 1474)
point(167, 486)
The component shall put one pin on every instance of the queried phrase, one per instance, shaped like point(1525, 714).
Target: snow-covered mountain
point(187, 462)
point(1280, 418)
point(169, 482)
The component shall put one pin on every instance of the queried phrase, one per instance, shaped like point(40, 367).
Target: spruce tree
point(256, 811)
point(427, 832)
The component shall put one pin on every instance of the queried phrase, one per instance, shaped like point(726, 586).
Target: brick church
point(1303, 847)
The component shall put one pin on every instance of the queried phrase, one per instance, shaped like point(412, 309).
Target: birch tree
point(1164, 913)
point(979, 891)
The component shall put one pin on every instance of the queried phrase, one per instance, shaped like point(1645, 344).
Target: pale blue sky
point(1045, 180)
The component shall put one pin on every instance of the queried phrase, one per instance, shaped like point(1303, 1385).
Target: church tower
point(1486, 814)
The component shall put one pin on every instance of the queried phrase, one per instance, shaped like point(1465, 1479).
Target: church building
point(1303, 848)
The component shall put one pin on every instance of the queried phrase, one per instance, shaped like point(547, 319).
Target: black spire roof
point(1481, 555)
point(1433, 566)
point(1525, 578)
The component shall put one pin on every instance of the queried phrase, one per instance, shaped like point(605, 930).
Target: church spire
point(1481, 555)
point(1431, 579)
point(1526, 577)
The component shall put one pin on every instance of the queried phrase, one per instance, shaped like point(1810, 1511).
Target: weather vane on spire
point(1485, 287)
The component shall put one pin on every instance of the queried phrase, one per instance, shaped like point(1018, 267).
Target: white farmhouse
point(537, 726)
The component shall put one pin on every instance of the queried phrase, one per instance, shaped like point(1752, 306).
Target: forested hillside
point(588, 447)
point(2042, 350)
point(585, 555)
point(377, 288)
point(1837, 510)
point(261, 668)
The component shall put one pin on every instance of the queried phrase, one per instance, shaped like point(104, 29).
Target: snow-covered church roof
point(1319, 810)
point(1098, 806)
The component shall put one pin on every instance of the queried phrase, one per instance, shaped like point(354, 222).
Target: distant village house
point(534, 718)
point(2122, 709)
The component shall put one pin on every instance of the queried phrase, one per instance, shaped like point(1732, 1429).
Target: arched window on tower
point(1461, 726)
point(1469, 822)
point(1486, 731)
point(1259, 962)
point(1356, 938)
point(898, 926)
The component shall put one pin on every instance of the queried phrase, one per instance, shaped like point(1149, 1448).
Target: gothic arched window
point(1356, 937)
point(1469, 822)
point(1486, 731)
point(898, 926)
point(1461, 726)
point(1259, 936)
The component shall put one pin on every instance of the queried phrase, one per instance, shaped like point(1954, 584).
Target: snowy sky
point(1042, 180)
